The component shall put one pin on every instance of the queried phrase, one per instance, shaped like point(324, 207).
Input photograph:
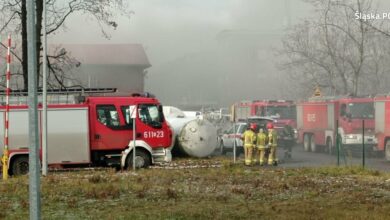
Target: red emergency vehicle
point(316, 123)
point(382, 124)
point(283, 112)
point(96, 131)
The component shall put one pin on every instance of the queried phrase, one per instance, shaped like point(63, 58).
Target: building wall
point(125, 78)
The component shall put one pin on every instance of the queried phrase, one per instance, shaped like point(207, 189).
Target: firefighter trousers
point(255, 155)
point(272, 160)
point(248, 154)
point(261, 152)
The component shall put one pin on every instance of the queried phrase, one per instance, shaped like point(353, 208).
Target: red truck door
point(150, 126)
point(109, 130)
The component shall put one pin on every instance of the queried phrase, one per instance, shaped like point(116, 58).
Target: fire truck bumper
point(357, 139)
point(161, 155)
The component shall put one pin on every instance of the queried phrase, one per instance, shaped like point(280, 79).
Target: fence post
point(6, 118)
point(338, 142)
point(234, 143)
point(364, 156)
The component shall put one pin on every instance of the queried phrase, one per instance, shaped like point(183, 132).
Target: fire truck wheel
point(313, 146)
point(387, 150)
point(306, 142)
point(329, 146)
point(20, 166)
point(142, 159)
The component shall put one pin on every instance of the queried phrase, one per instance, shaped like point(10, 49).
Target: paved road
point(301, 158)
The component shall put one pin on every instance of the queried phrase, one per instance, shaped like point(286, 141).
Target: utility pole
point(44, 94)
point(34, 171)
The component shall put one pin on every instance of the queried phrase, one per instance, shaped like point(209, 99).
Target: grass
point(232, 191)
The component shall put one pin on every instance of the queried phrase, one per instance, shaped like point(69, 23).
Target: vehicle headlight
point(351, 136)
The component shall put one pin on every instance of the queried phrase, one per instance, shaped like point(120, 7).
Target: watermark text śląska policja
point(372, 16)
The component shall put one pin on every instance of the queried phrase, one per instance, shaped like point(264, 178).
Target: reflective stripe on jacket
point(272, 138)
point(261, 140)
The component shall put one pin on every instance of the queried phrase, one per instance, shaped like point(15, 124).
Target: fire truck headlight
point(295, 133)
point(351, 136)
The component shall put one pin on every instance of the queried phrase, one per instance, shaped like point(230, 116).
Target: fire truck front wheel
point(387, 150)
point(306, 142)
point(19, 166)
point(142, 159)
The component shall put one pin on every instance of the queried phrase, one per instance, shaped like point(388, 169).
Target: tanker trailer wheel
point(329, 146)
point(313, 146)
point(387, 150)
point(142, 159)
point(20, 166)
point(306, 142)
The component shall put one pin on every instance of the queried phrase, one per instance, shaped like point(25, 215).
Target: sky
point(186, 40)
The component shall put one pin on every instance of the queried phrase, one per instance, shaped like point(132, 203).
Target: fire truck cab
point(98, 131)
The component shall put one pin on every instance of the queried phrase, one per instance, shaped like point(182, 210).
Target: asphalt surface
point(300, 158)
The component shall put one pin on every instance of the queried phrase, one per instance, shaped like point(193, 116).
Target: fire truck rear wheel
point(313, 146)
point(306, 142)
point(387, 150)
point(20, 166)
point(142, 159)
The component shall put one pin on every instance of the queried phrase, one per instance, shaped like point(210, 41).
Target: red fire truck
point(382, 124)
point(282, 111)
point(316, 123)
point(94, 131)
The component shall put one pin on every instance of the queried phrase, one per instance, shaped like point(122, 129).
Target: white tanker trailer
point(193, 136)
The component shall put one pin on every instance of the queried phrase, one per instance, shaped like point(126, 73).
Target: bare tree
point(13, 20)
point(336, 51)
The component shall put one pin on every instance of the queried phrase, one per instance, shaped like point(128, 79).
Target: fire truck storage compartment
point(68, 134)
point(380, 115)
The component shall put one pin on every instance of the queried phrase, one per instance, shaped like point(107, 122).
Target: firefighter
point(272, 143)
point(261, 142)
point(255, 152)
point(249, 139)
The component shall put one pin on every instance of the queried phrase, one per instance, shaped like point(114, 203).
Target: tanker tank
point(193, 136)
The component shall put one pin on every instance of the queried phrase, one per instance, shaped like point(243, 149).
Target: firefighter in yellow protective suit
point(261, 144)
point(249, 140)
point(272, 143)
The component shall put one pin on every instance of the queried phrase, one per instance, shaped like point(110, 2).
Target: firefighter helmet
point(253, 126)
point(270, 125)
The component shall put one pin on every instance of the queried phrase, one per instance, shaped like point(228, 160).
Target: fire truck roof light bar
point(63, 91)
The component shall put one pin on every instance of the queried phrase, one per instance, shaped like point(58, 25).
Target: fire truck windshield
point(151, 115)
point(282, 112)
point(360, 110)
